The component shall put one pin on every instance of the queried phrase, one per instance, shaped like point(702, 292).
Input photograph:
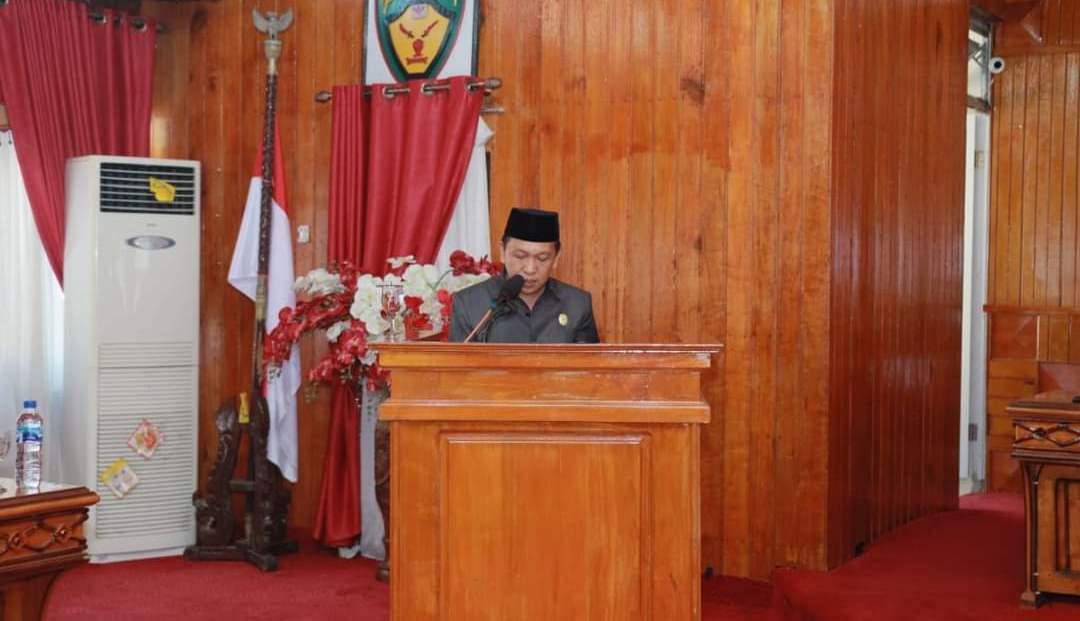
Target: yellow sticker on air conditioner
point(164, 192)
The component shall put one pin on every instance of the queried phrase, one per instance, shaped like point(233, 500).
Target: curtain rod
point(138, 22)
point(95, 14)
point(488, 84)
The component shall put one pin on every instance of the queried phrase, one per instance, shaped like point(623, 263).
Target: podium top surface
point(1057, 404)
point(545, 356)
point(608, 383)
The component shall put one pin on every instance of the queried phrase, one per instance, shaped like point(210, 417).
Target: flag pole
point(272, 25)
point(266, 501)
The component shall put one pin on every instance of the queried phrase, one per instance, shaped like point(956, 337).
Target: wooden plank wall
point(1058, 25)
point(692, 183)
point(1030, 351)
point(898, 213)
point(689, 148)
point(1034, 277)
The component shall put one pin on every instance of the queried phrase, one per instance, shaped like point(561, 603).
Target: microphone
point(510, 290)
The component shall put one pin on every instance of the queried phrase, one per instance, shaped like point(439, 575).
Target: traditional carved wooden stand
point(266, 500)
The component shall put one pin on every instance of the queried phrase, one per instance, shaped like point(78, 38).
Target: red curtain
point(72, 86)
point(396, 168)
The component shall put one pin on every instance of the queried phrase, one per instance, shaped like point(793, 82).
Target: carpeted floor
point(314, 584)
point(960, 565)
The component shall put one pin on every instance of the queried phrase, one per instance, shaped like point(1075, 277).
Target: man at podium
point(525, 304)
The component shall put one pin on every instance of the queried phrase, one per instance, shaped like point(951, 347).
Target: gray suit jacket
point(562, 314)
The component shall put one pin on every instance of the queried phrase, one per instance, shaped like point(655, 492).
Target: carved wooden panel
point(1038, 435)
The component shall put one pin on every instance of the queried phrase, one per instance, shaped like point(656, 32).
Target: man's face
point(533, 260)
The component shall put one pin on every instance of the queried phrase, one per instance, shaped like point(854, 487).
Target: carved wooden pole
point(266, 535)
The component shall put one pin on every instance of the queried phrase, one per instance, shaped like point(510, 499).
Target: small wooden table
point(41, 534)
point(1046, 441)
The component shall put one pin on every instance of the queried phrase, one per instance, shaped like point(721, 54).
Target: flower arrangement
point(355, 309)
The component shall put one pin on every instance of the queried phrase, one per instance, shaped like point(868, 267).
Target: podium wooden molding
point(545, 481)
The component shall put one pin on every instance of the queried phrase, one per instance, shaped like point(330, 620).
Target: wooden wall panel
point(896, 269)
point(694, 152)
point(1056, 24)
point(1034, 206)
point(674, 192)
point(1033, 292)
point(1031, 350)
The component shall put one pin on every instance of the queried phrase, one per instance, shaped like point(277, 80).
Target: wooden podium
point(545, 481)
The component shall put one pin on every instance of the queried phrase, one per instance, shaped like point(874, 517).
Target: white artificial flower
point(431, 275)
point(453, 284)
point(334, 331)
point(367, 300)
point(431, 307)
point(370, 357)
point(415, 282)
point(375, 324)
point(396, 262)
point(317, 282)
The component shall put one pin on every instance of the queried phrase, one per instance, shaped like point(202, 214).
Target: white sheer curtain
point(31, 317)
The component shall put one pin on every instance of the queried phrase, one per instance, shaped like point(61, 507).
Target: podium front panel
point(544, 521)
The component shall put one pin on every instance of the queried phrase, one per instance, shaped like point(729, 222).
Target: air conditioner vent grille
point(161, 501)
point(126, 188)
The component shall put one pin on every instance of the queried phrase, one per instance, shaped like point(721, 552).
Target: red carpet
point(310, 585)
point(313, 584)
point(960, 565)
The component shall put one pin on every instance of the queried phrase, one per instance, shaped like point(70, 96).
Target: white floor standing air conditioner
point(131, 347)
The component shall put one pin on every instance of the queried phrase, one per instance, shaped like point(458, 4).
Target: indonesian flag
point(281, 390)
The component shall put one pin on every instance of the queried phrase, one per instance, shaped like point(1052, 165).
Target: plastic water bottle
point(29, 431)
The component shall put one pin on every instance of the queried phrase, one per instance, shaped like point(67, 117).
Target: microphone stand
point(499, 312)
point(485, 322)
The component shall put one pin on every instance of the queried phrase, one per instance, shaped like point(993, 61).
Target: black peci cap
point(534, 225)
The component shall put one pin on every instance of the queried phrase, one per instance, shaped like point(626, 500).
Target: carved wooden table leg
point(1031, 597)
point(382, 492)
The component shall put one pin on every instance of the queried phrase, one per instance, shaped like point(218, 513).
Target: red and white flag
point(280, 391)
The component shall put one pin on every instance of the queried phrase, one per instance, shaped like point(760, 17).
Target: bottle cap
point(29, 404)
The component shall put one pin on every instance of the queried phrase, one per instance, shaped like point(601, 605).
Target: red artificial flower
point(487, 266)
point(343, 359)
point(413, 303)
point(462, 263)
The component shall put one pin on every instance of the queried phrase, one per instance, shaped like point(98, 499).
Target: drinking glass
point(392, 301)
